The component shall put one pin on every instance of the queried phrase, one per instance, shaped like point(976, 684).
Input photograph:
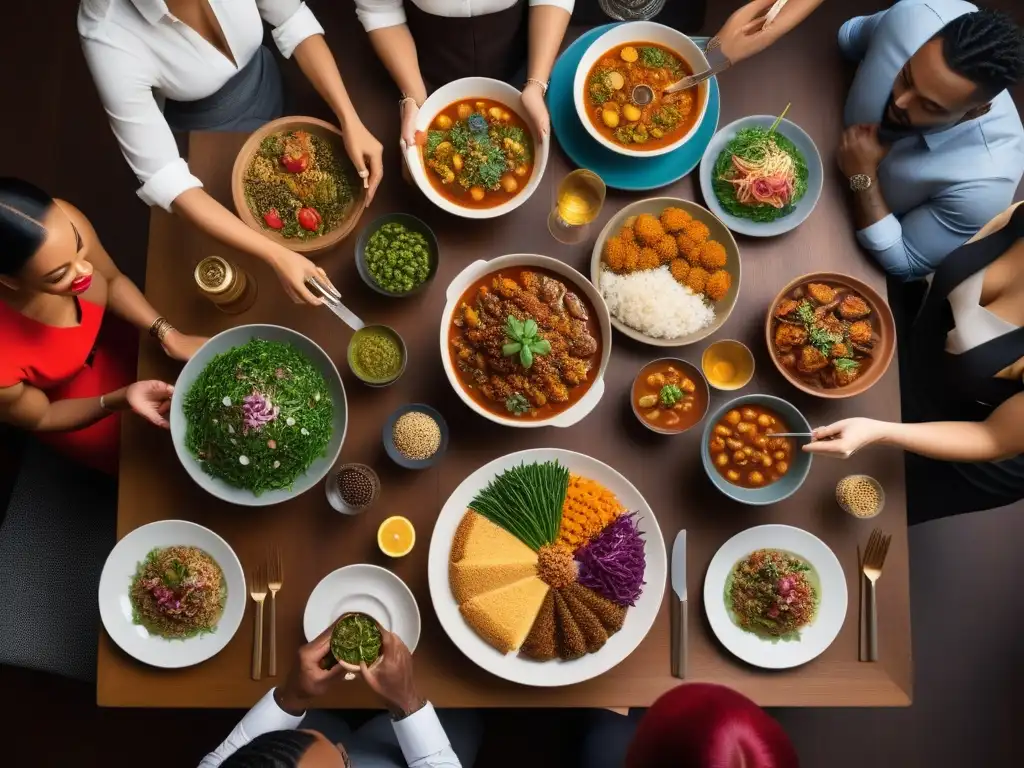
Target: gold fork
point(258, 592)
point(874, 559)
point(274, 584)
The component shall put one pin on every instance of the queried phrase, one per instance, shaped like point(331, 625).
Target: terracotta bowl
point(352, 667)
point(882, 320)
point(330, 134)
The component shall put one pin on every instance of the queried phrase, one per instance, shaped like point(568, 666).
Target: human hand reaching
point(744, 33)
point(366, 154)
point(151, 400)
point(536, 109)
point(293, 270)
point(844, 438)
point(392, 678)
point(307, 679)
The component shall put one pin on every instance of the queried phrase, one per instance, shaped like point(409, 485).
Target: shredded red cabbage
point(612, 563)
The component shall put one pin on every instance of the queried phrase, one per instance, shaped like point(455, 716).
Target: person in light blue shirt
point(934, 146)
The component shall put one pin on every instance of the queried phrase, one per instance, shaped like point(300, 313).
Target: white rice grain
point(653, 303)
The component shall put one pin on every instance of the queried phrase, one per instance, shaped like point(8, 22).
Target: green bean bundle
point(526, 501)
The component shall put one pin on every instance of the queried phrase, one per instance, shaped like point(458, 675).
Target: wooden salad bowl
point(882, 320)
point(329, 133)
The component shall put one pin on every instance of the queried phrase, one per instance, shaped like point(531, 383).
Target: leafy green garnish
point(525, 340)
point(846, 364)
point(670, 395)
point(434, 138)
point(460, 137)
point(658, 58)
point(599, 87)
point(516, 404)
point(820, 338)
point(749, 144)
point(666, 117)
point(272, 147)
point(175, 574)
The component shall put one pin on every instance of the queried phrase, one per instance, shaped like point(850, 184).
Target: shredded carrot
point(589, 507)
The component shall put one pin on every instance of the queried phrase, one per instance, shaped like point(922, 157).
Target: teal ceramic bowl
point(800, 462)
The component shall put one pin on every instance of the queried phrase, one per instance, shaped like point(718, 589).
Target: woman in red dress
point(66, 369)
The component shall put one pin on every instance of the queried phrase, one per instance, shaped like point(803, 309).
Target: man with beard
point(934, 147)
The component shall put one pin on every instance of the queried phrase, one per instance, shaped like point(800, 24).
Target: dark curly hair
point(986, 47)
point(277, 749)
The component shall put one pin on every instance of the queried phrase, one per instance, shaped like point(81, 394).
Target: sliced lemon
point(396, 536)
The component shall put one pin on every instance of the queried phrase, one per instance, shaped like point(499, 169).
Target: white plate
point(815, 637)
point(116, 607)
point(368, 589)
point(639, 618)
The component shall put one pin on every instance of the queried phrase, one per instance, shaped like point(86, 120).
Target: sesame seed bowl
point(415, 436)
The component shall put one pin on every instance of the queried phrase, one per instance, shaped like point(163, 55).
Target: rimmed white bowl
point(222, 342)
point(462, 90)
point(640, 32)
point(816, 637)
point(639, 618)
point(575, 281)
point(116, 605)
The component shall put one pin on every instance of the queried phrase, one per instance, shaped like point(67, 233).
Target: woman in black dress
point(964, 413)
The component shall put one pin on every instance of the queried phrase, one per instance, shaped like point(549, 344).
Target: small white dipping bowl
point(469, 89)
point(640, 32)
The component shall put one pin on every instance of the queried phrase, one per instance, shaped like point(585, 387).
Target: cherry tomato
point(273, 219)
point(309, 219)
point(295, 163)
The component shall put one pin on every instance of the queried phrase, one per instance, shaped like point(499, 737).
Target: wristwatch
point(860, 182)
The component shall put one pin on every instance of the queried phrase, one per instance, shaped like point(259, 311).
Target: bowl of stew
point(476, 155)
point(830, 335)
point(742, 458)
point(669, 396)
point(525, 341)
point(640, 53)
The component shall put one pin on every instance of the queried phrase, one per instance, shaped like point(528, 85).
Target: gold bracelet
point(160, 328)
point(541, 83)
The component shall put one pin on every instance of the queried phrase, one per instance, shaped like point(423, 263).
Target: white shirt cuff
point(881, 235)
point(300, 25)
point(267, 716)
point(565, 5)
point(381, 19)
point(421, 734)
point(165, 185)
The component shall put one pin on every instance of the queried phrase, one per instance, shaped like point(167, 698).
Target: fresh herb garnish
point(658, 58)
point(599, 87)
point(526, 501)
point(516, 404)
point(846, 364)
point(670, 395)
point(355, 639)
point(525, 340)
point(176, 573)
point(819, 338)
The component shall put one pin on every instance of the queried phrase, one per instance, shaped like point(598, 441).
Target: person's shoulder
point(114, 22)
point(924, 16)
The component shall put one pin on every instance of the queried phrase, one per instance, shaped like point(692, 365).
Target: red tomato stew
point(524, 343)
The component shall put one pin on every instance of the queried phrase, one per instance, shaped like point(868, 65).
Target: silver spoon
point(643, 94)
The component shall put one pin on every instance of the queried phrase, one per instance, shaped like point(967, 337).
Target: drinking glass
point(632, 10)
point(580, 198)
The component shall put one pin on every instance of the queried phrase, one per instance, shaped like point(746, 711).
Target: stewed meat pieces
point(861, 333)
point(811, 360)
point(788, 335)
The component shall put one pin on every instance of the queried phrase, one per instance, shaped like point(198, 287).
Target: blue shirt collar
point(939, 138)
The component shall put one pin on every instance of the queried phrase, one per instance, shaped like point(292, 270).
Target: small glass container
point(861, 496)
point(227, 285)
point(580, 199)
point(352, 489)
point(632, 10)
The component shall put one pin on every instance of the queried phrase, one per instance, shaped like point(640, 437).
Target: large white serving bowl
point(574, 282)
point(222, 342)
point(640, 32)
point(816, 637)
point(116, 605)
point(639, 618)
point(466, 89)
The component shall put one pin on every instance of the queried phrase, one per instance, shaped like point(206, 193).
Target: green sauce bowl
point(365, 336)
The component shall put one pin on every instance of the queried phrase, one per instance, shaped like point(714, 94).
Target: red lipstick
point(81, 284)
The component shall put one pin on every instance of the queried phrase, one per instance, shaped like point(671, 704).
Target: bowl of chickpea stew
point(741, 457)
point(669, 396)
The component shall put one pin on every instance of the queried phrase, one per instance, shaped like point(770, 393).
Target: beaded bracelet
point(541, 83)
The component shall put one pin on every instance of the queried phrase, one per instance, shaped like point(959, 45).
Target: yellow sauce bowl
point(728, 365)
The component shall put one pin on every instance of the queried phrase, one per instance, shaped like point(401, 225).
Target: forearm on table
point(964, 441)
point(396, 50)
point(319, 66)
point(794, 12)
point(547, 28)
point(205, 213)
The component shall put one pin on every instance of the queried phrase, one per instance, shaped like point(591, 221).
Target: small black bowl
point(413, 225)
point(387, 435)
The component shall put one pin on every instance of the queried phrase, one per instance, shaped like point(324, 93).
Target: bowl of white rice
point(650, 305)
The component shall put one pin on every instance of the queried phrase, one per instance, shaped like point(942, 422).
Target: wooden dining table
point(315, 540)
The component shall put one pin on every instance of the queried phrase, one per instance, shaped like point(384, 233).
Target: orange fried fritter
point(788, 335)
point(697, 279)
point(853, 308)
point(860, 332)
point(615, 253)
point(631, 260)
point(679, 268)
point(649, 259)
point(697, 231)
point(821, 293)
point(811, 360)
point(674, 219)
point(667, 248)
point(648, 229)
point(712, 255)
point(718, 285)
point(840, 350)
point(628, 235)
point(786, 308)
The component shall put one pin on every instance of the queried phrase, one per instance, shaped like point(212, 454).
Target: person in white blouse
point(268, 735)
point(163, 65)
point(432, 42)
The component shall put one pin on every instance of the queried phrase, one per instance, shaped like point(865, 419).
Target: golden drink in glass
point(580, 198)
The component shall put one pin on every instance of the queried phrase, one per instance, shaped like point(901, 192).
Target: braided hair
point(986, 47)
point(276, 749)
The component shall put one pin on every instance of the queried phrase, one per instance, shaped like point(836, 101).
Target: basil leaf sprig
point(524, 340)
